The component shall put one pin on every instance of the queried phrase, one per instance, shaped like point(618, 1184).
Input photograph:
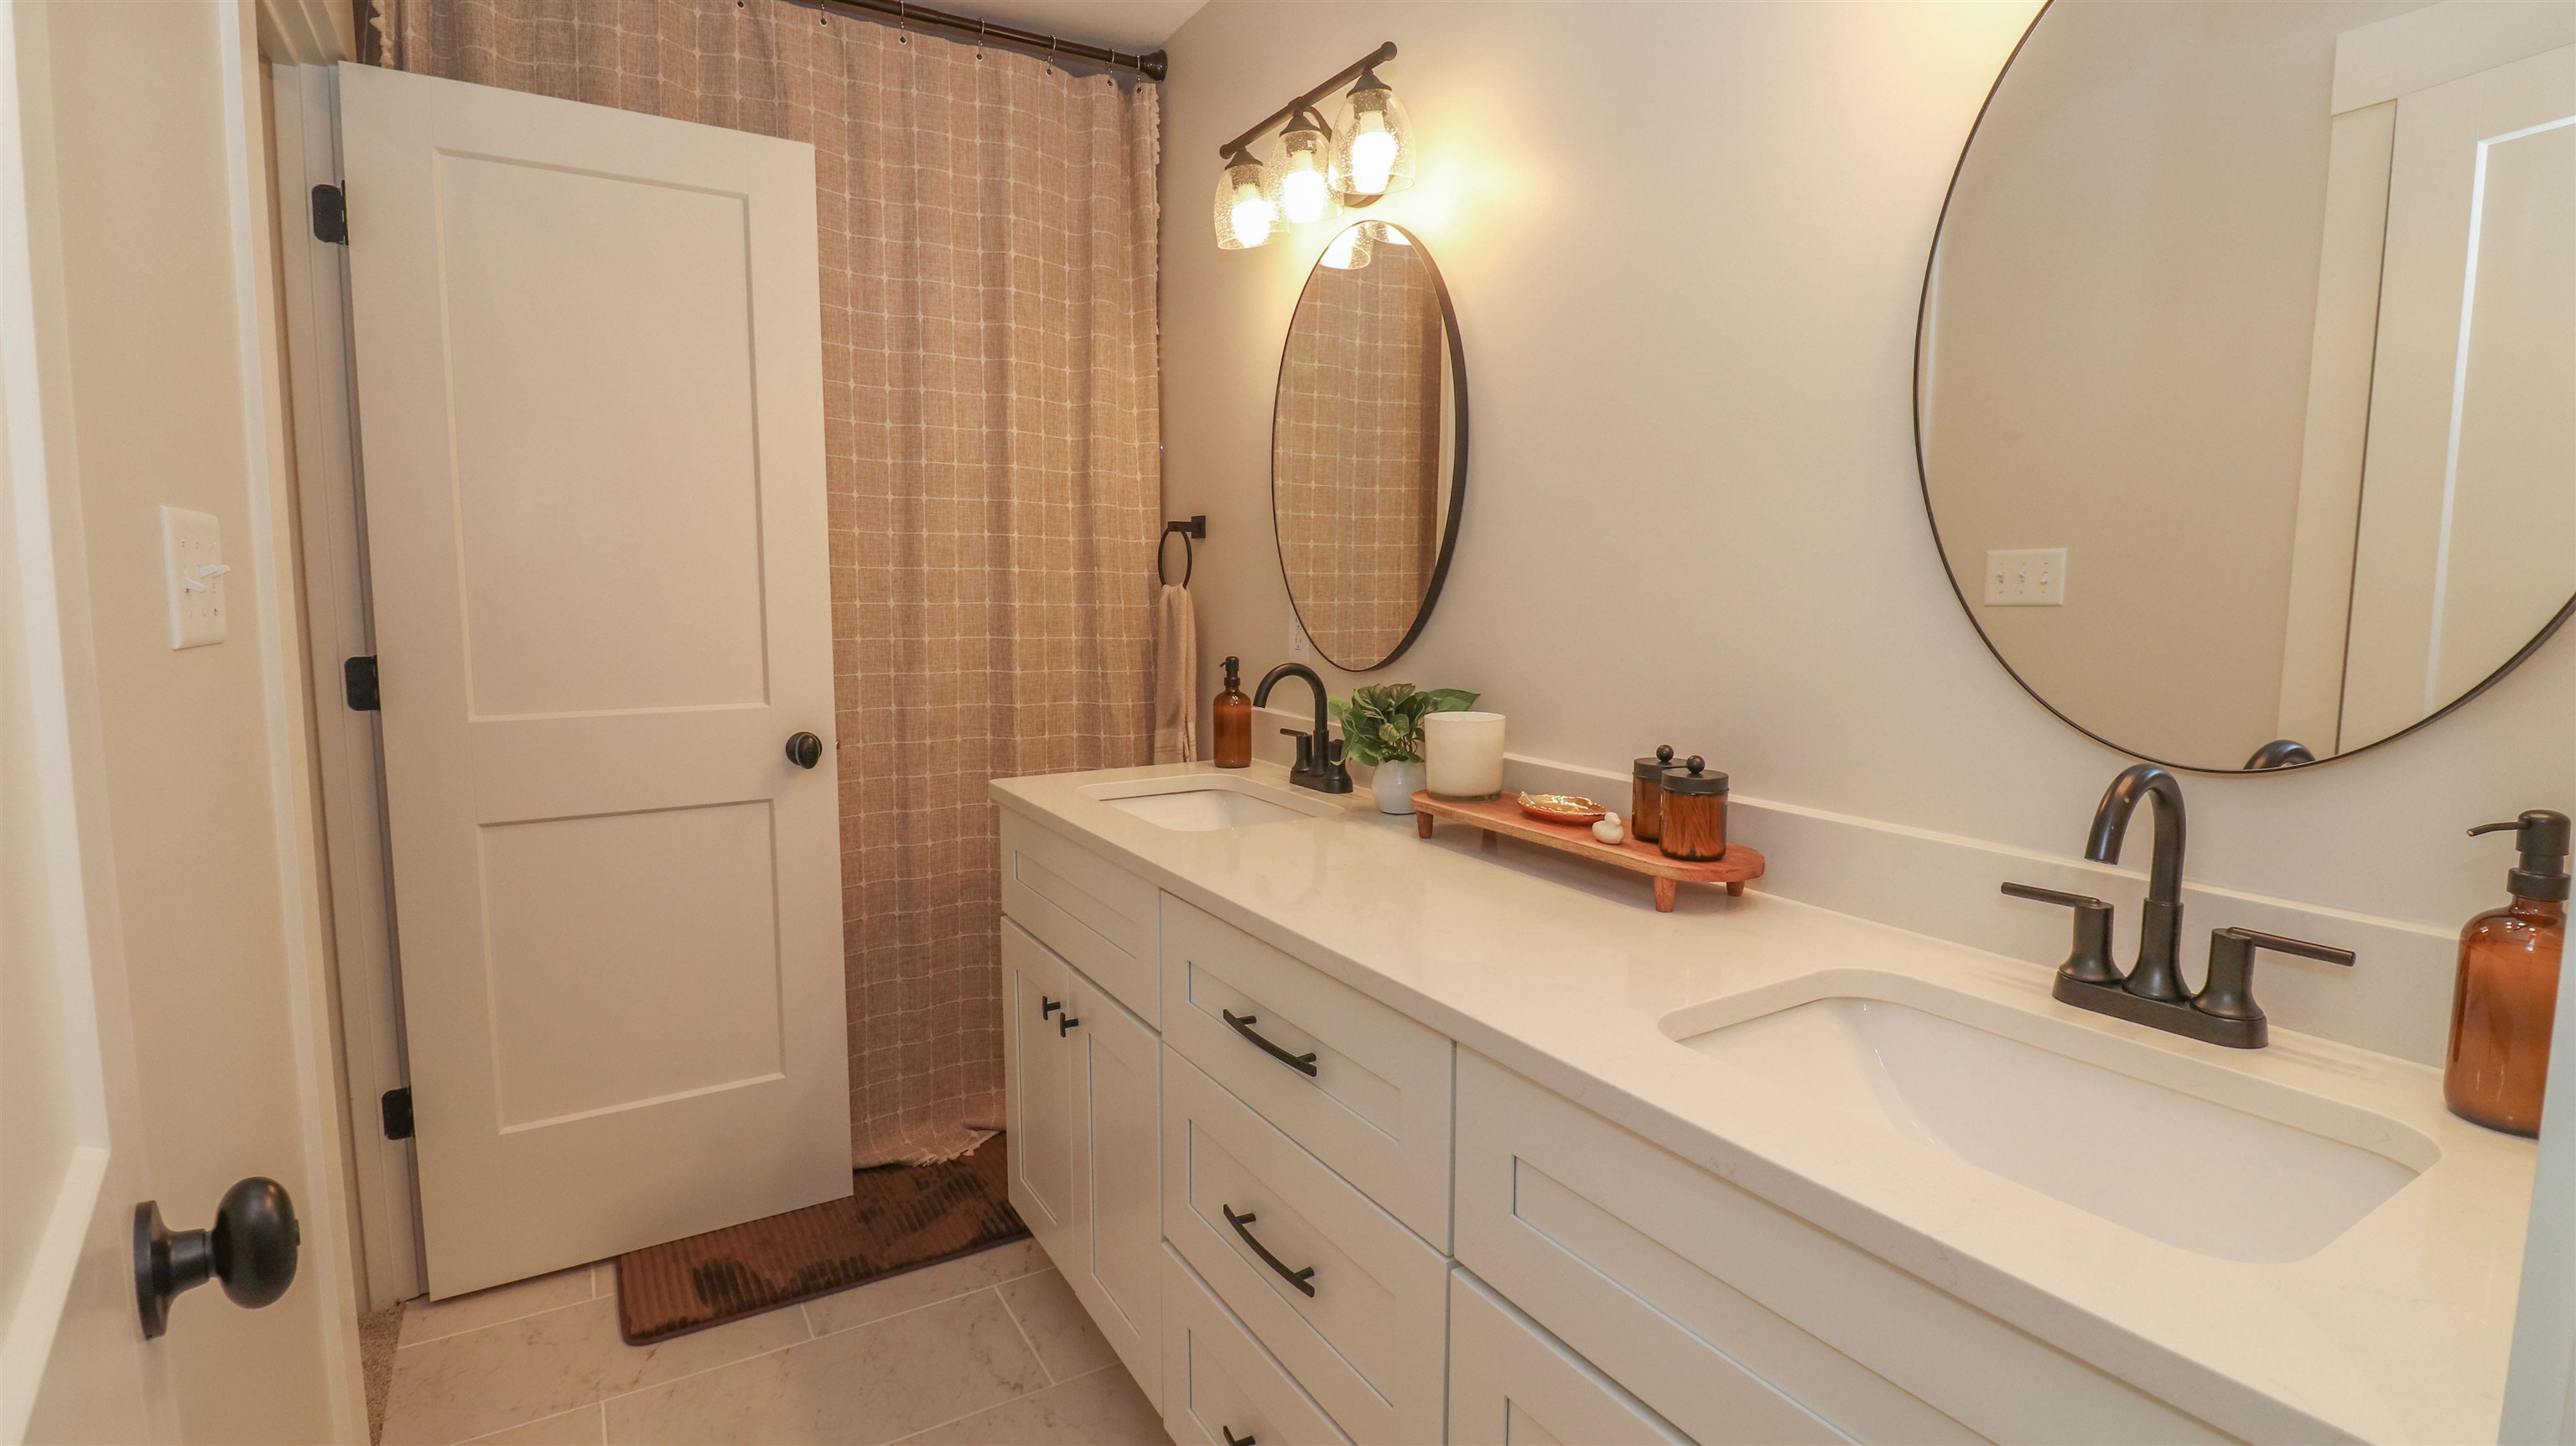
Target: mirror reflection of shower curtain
point(991, 426)
point(2467, 535)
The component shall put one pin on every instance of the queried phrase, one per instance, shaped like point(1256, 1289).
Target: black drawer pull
point(1232, 1439)
point(1066, 1025)
point(1242, 1023)
point(1047, 1007)
point(1302, 1279)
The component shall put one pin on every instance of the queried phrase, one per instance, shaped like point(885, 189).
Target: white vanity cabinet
point(1302, 1215)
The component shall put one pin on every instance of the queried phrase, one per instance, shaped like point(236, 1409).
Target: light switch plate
point(2027, 577)
point(192, 572)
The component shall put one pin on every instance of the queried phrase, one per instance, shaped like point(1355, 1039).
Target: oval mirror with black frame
point(1368, 446)
point(2245, 384)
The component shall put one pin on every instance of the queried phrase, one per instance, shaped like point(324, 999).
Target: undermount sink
point(1202, 802)
point(2215, 1178)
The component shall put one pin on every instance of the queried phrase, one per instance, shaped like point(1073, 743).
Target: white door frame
point(348, 746)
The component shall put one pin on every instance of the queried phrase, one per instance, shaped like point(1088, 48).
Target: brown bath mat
point(900, 1217)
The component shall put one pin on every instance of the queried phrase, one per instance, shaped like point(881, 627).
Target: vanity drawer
point(1368, 1342)
point(1735, 1320)
point(1512, 1383)
point(1084, 907)
point(1219, 1385)
point(1376, 1106)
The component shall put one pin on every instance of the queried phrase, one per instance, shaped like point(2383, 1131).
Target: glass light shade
point(1245, 215)
point(1300, 181)
point(1372, 144)
point(1350, 249)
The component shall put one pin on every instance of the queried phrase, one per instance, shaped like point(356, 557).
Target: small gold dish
point(1562, 807)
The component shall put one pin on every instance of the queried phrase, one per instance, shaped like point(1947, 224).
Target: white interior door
point(2467, 539)
point(589, 364)
point(133, 1067)
point(73, 1362)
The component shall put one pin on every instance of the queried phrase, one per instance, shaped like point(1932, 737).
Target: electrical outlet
point(2028, 577)
point(1299, 651)
point(192, 573)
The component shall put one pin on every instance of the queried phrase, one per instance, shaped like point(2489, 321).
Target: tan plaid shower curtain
point(992, 428)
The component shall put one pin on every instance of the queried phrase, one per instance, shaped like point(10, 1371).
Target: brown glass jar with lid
point(1694, 822)
point(1646, 795)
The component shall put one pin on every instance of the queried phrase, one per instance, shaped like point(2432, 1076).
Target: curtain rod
point(1153, 65)
point(1342, 77)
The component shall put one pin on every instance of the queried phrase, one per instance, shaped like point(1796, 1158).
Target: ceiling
point(1117, 24)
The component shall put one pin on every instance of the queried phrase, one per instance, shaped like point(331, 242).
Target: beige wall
point(2127, 289)
point(1685, 244)
point(150, 235)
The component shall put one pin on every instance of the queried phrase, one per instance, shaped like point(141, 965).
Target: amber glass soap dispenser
point(2508, 989)
point(1233, 720)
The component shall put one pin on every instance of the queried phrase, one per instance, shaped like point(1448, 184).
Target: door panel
point(589, 380)
point(599, 441)
point(1036, 986)
point(1119, 1208)
point(634, 957)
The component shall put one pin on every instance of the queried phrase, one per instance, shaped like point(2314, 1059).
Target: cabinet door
point(1036, 990)
point(1116, 1269)
point(1513, 1384)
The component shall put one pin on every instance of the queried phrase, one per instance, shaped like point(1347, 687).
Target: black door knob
point(804, 750)
point(251, 1249)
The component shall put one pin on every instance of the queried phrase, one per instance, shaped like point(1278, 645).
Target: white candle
point(1463, 754)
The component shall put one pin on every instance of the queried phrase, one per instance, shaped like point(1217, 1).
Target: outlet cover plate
point(2026, 577)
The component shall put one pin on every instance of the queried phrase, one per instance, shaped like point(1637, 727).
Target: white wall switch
point(1298, 650)
point(192, 571)
point(2027, 577)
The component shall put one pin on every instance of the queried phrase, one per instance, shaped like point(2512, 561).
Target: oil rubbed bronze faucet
point(2158, 975)
point(2224, 1011)
point(1319, 758)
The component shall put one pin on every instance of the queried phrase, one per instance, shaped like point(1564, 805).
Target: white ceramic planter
point(1395, 784)
point(1464, 752)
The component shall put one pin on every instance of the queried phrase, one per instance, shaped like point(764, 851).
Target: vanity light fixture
point(1373, 145)
point(1315, 169)
point(1299, 185)
point(1245, 214)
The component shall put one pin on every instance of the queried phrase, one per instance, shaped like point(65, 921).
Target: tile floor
point(987, 1350)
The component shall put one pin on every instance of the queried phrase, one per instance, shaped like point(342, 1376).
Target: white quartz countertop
point(1563, 971)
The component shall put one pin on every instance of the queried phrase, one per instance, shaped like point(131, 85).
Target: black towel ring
point(1195, 527)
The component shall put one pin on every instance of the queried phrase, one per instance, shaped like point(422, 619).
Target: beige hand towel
point(1176, 677)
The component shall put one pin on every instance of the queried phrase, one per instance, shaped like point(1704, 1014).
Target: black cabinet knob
point(251, 1250)
point(804, 750)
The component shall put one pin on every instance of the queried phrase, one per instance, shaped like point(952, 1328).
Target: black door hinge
point(358, 676)
point(398, 1113)
point(331, 215)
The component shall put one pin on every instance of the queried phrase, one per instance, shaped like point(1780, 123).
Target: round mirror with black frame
point(2245, 378)
point(1368, 446)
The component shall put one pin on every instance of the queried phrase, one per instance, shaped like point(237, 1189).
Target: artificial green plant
point(1383, 723)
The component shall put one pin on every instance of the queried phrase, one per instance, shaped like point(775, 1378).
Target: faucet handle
point(2229, 991)
point(2089, 961)
point(1305, 748)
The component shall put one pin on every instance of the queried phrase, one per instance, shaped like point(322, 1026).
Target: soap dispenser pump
point(2508, 985)
point(1233, 720)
